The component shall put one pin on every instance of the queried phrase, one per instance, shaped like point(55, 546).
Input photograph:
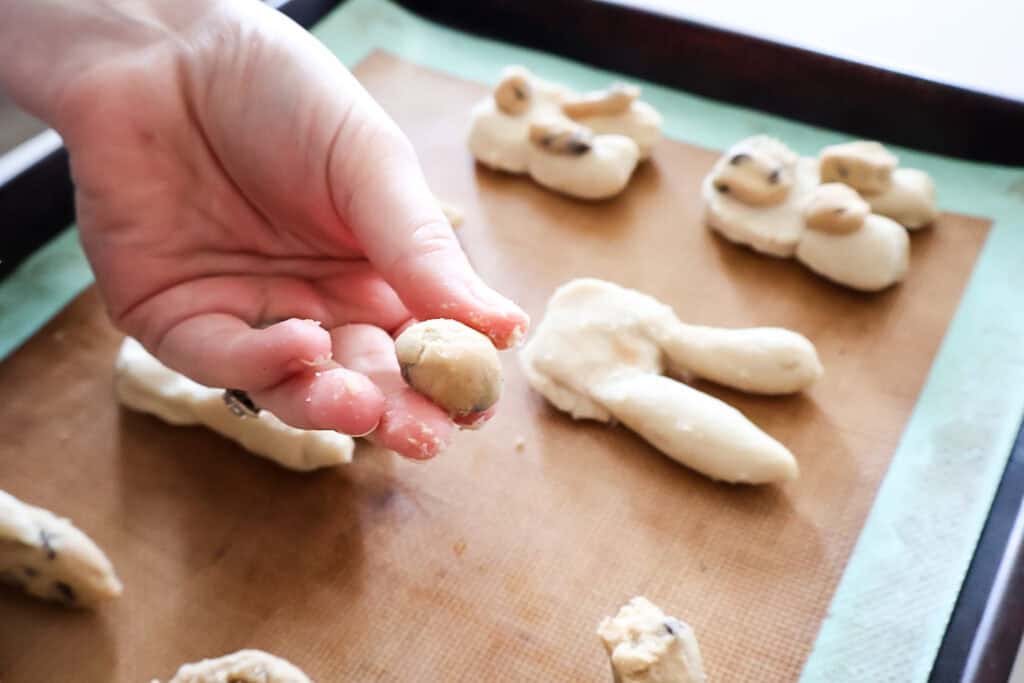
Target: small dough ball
point(757, 171)
point(453, 365)
point(869, 259)
point(863, 165)
point(836, 209)
point(513, 92)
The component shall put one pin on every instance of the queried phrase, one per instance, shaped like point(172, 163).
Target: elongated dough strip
point(143, 383)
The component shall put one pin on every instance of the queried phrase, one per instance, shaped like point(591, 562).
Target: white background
point(977, 44)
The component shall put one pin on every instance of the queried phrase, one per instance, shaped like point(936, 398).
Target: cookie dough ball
point(863, 165)
point(836, 209)
point(757, 171)
point(514, 91)
point(453, 365)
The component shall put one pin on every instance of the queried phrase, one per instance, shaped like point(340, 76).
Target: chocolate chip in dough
point(67, 593)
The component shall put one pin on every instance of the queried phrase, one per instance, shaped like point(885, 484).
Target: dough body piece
point(49, 558)
point(874, 257)
point(501, 140)
point(695, 429)
point(599, 352)
point(244, 666)
point(496, 139)
point(601, 173)
point(646, 646)
point(910, 199)
point(773, 230)
point(143, 383)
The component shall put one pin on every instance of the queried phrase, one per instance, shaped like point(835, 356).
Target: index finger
point(386, 203)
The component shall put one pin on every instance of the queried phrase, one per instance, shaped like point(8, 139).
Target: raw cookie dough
point(863, 165)
point(761, 194)
point(619, 131)
point(46, 556)
point(244, 666)
point(906, 195)
point(773, 223)
point(645, 646)
point(601, 349)
point(143, 383)
point(835, 209)
point(453, 365)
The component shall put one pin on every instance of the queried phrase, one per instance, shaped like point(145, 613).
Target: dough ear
point(695, 429)
point(760, 360)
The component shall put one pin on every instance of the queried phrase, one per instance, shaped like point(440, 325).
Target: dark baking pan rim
point(790, 81)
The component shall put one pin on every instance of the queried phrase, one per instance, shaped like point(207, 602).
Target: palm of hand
point(246, 179)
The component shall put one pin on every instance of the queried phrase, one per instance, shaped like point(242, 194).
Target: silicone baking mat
point(492, 562)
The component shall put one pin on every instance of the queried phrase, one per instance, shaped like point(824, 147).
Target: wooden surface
point(489, 563)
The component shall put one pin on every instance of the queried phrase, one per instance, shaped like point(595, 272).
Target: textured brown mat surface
point(490, 563)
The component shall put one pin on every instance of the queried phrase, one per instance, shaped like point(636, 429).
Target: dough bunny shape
point(763, 195)
point(585, 146)
point(905, 195)
point(600, 353)
point(145, 384)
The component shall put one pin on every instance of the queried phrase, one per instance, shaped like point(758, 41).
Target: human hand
point(234, 183)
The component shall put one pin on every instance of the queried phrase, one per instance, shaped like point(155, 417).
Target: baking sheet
point(490, 563)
